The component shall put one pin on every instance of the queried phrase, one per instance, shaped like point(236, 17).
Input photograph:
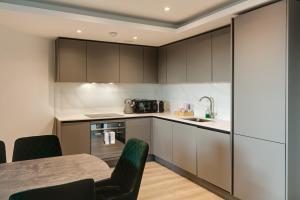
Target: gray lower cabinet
point(75, 138)
point(221, 55)
point(162, 65)
point(176, 62)
point(214, 158)
point(199, 59)
point(184, 147)
point(102, 62)
point(259, 169)
point(150, 65)
point(140, 129)
point(131, 64)
point(70, 60)
point(162, 139)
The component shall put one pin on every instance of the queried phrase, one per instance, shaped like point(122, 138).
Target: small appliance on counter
point(128, 109)
point(161, 106)
point(144, 106)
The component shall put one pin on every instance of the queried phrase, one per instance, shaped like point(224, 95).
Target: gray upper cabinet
point(150, 65)
point(131, 64)
point(184, 145)
point(259, 169)
point(71, 60)
point(199, 59)
point(214, 158)
point(102, 62)
point(221, 55)
point(176, 62)
point(162, 65)
point(162, 139)
point(260, 73)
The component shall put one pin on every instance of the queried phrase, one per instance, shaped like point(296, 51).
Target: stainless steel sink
point(195, 119)
point(103, 115)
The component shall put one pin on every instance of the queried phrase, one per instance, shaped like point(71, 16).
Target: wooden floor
point(159, 183)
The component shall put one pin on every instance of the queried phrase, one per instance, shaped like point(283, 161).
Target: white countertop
point(216, 124)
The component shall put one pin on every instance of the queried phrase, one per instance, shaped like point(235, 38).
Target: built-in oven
point(108, 139)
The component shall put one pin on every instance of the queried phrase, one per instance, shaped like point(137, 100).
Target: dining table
point(30, 174)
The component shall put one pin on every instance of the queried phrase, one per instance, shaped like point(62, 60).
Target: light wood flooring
point(160, 183)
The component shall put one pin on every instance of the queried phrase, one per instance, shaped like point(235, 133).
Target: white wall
point(178, 94)
point(73, 98)
point(26, 85)
point(87, 98)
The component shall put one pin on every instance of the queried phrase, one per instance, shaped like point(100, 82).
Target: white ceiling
point(180, 10)
point(57, 20)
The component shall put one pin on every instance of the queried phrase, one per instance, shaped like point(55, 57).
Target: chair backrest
point(130, 167)
point(35, 147)
point(79, 190)
point(2, 152)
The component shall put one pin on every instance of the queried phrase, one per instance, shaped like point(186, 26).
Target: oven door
point(102, 145)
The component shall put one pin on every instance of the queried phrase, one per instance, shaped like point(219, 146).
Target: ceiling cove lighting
point(167, 9)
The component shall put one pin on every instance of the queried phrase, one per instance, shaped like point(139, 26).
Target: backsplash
point(72, 98)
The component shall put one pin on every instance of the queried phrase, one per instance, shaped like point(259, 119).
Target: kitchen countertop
point(218, 125)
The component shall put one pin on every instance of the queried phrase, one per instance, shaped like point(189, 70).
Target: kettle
point(128, 109)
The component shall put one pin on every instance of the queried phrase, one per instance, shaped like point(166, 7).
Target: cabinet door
point(139, 128)
point(259, 169)
point(162, 65)
point(131, 64)
point(150, 65)
point(213, 158)
point(75, 138)
point(259, 74)
point(221, 55)
point(199, 59)
point(176, 62)
point(162, 139)
point(71, 60)
point(184, 145)
point(102, 62)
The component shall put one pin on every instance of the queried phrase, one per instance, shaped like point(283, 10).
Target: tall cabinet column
point(260, 103)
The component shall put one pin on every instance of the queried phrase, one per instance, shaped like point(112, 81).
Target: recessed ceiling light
point(167, 8)
point(113, 34)
point(135, 37)
point(79, 31)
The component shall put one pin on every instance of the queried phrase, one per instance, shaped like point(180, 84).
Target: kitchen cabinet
point(176, 62)
point(259, 167)
point(199, 59)
point(102, 62)
point(75, 138)
point(70, 60)
point(150, 65)
point(260, 73)
point(221, 55)
point(214, 158)
point(162, 139)
point(162, 65)
point(184, 147)
point(140, 129)
point(131, 64)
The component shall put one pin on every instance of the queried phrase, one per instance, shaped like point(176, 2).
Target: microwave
point(144, 106)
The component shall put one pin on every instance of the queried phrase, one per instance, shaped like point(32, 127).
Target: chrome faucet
point(211, 106)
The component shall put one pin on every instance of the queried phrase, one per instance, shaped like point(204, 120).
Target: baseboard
point(195, 179)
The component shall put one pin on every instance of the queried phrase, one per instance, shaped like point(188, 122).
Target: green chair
point(29, 148)
point(79, 190)
point(2, 152)
point(125, 180)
